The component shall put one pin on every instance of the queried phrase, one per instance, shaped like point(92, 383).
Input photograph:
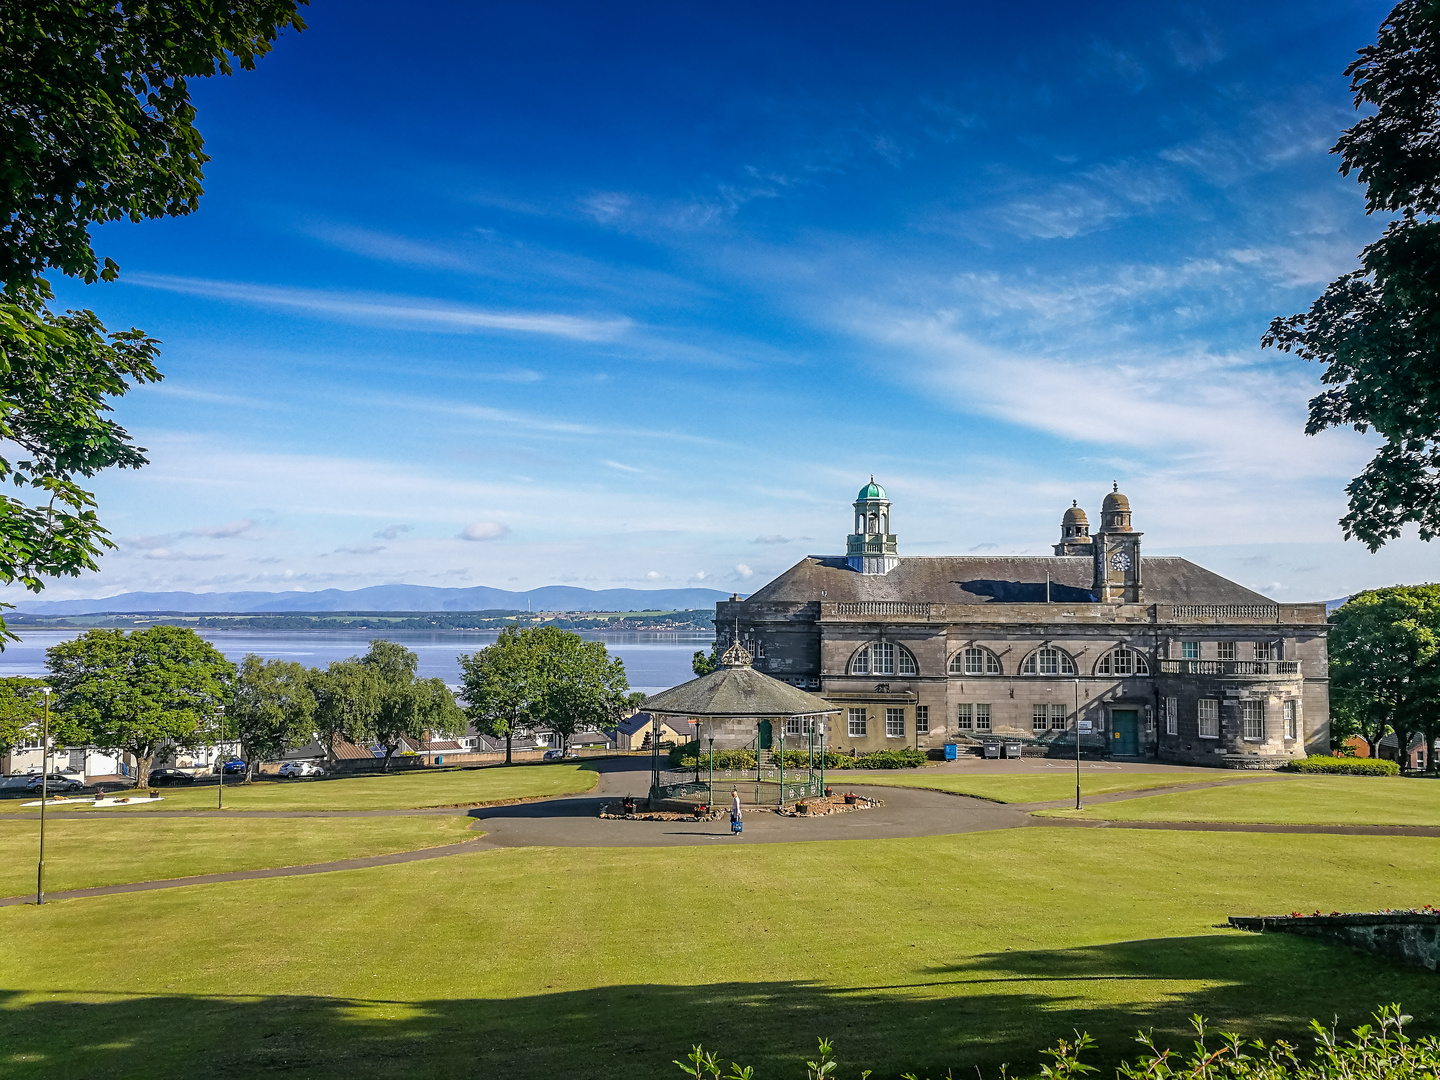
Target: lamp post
point(822, 759)
point(712, 766)
point(44, 796)
point(1077, 744)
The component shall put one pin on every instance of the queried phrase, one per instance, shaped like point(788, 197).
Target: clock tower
point(1117, 553)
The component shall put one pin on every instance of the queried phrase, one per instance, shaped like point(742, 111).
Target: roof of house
point(345, 750)
point(738, 692)
point(638, 722)
point(1010, 579)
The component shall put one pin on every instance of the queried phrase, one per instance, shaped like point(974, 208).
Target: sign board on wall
point(1084, 727)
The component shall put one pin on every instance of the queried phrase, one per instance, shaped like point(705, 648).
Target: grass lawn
point(1021, 787)
point(930, 953)
point(1303, 800)
point(79, 854)
point(406, 789)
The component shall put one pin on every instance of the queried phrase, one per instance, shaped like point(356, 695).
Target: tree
point(272, 709)
point(407, 707)
point(141, 691)
point(1377, 329)
point(583, 688)
point(1385, 661)
point(22, 711)
point(500, 684)
point(347, 703)
point(96, 125)
point(703, 664)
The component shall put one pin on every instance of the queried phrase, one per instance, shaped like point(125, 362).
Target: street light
point(44, 796)
point(1077, 744)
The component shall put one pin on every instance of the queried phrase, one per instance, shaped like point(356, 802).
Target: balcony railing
point(1230, 667)
point(883, 607)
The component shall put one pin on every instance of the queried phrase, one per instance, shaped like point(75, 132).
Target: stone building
point(1163, 658)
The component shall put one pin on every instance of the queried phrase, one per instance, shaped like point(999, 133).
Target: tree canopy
point(542, 676)
point(96, 125)
point(1385, 662)
point(272, 709)
point(1376, 330)
point(141, 691)
point(407, 707)
point(347, 702)
point(22, 711)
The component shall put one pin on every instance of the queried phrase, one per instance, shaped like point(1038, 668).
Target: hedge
point(1348, 766)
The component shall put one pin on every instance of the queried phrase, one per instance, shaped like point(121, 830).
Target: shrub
point(908, 758)
point(1379, 1051)
point(1349, 766)
point(684, 758)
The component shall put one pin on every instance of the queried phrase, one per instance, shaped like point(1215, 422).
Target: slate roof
point(738, 692)
point(1010, 579)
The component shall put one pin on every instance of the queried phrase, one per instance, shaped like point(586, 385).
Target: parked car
point(552, 755)
point(171, 776)
point(297, 769)
point(57, 782)
point(232, 767)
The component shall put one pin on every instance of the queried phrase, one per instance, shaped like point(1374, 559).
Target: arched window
point(883, 658)
point(1122, 660)
point(973, 660)
point(1048, 660)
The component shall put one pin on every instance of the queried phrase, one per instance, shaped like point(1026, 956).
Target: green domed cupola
point(870, 549)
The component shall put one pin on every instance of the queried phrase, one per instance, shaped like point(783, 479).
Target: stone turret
point(870, 549)
point(1075, 533)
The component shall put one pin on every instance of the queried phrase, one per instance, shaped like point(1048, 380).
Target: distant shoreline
point(682, 622)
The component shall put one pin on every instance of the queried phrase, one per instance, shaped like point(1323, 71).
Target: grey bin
point(1012, 749)
point(992, 749)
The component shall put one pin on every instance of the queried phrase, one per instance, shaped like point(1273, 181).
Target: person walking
point(736, 825)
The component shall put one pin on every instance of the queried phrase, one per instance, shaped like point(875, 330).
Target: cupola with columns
point(1075, 533)
point(870, 549)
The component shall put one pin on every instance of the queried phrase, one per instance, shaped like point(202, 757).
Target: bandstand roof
point(738, 692)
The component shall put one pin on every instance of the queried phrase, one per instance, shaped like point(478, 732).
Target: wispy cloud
point(621, 466)
point(395, 311)
point(484, 530)
point(392, 532)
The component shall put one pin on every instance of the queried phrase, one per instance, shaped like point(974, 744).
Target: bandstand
point(738, 708)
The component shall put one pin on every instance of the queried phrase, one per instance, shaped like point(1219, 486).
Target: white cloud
point(395, 311)
point(744, 571)
point(484, 530)
point(622, 467)
point(359, 549)
point(222, 532)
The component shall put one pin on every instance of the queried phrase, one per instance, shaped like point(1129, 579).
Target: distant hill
point(388, 598)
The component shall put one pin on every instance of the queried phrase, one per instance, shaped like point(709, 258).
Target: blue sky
point(641, 293)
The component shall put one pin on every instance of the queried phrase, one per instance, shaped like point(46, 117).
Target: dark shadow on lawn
point(1002, 1007)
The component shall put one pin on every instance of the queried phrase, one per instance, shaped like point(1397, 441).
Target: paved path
point(572, 821)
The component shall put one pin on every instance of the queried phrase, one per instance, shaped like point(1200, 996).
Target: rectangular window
point(1253, 715)
point(964, 717)
point(1057, 718)
point(1264, 650)
point(1225, 650)
point(1049, 660)
point(882, 658)
point(922, 719)
point(1208, 714)
point(1292, 726)
point(894, 723)
point(1172, 716)
point(1039, 717)
point(1189, 650)
point(794, 725)
point(857, 723)
point(982, 717)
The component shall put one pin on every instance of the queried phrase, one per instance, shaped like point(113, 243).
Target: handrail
point(1230, 667)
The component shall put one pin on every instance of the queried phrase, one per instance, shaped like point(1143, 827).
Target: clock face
point(1120, 561)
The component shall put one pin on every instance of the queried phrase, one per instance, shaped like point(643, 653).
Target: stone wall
point(1411, 937)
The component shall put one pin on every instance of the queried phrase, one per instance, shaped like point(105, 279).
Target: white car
point(296, 769)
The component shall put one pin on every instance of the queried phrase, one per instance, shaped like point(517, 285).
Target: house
point(1133, 655)
point(633, 732)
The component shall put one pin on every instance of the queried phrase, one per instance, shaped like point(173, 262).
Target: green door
point(764, 734)
point(1125, 734)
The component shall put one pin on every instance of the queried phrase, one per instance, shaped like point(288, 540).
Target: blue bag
point(737, 826)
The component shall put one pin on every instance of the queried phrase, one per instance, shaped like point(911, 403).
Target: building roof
point(1075, 516)
point(871, 490)
point(1019, 579)
point(739, 692)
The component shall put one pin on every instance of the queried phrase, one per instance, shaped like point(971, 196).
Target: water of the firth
point(653, 662)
